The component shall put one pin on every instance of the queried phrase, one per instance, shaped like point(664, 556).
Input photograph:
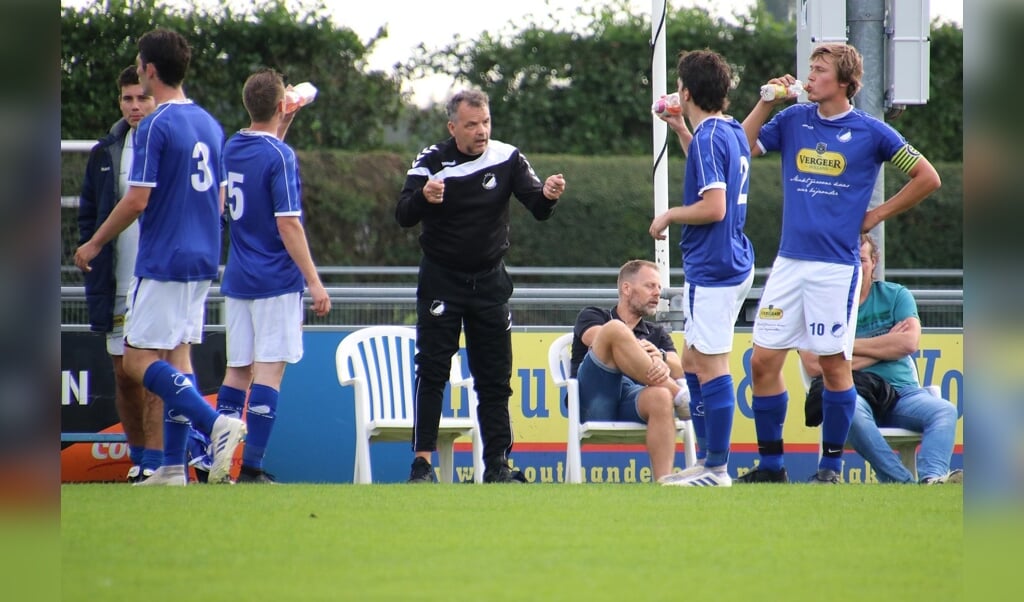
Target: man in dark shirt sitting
point(627, 367)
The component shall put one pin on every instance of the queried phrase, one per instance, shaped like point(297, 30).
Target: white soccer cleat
point(682, 474)
point(170, 476)
point(706, 477)
point(227, 433)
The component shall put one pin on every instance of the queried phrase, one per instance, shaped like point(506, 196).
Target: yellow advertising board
point(538, 415)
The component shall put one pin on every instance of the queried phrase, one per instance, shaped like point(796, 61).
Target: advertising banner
point(313, 436)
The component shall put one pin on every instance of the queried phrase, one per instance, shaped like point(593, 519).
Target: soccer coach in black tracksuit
point(460, 190)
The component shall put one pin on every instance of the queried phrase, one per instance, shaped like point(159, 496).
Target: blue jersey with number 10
point(829, 168)
point(262, 185)
point(719, 253)
point(177, 154)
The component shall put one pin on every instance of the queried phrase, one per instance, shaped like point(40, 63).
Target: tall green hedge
point(602, 219)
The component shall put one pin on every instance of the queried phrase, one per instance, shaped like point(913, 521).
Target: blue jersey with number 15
point(177, 154)
point(262, 185)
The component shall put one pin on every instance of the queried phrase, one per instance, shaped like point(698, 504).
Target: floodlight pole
point(865, 20)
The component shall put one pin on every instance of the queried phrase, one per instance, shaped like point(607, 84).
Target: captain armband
point(906, 158)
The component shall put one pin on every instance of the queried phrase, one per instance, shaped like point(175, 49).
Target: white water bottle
point(299, 96)
point(770, 92)
point(667, 105)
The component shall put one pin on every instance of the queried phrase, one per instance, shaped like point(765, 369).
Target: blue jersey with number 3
point(719, 253)
point(262, 185)
point(177, 154)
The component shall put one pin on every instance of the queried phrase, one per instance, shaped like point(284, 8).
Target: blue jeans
point(916, 410)
point(606, 395)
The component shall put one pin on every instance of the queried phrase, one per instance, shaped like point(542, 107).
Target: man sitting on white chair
point(627, 366)
point(888, 332)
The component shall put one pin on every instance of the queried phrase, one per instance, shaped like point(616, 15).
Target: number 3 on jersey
point(202, 180)
point(235, 200)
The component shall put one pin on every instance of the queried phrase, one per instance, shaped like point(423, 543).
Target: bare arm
point(708, 210)
point(675, 364)
point(924, 180)
point(762, 111)
point(901, 341)
point(587, 338)
point(293, 235)
point(752, 125)
point(678, 125)
point(286, 121)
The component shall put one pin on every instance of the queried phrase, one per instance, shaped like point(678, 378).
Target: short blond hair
point(848, 63)
point(632, 267)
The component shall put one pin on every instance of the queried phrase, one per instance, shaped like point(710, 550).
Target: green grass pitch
point(511, 542)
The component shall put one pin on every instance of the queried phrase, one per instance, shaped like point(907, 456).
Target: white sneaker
point(706, 477)
point(682, 474)
point(171, 476)
point(227, 433)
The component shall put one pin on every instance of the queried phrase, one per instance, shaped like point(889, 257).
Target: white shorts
point(264, 330)
point(809, 305)
point(163, 314)
point(710, 314)
point(115, 338)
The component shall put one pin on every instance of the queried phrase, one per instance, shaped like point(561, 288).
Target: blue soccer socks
point(836, 416)
point(230, 401)
point(260, 419)
point(769, 416)
point(719, 402)
point(697, 414)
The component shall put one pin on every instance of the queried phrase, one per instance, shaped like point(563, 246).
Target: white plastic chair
point(559, 364)
point(904, 441)
point(379, 362)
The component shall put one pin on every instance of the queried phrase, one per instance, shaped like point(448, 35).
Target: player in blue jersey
point(175, 187)
point(269, 265)
point(831, 156)
point(718, 259)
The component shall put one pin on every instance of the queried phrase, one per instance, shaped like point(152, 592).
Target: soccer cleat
point(137, 474)
point(824, 476)
point(953, 476)
point(255, 475)
point(224, 439)
point(134, 473)
point(421, 472)
point(171, 476)
point(499, 472)
point(682, 474)
point(701, 477)
point(764, 475)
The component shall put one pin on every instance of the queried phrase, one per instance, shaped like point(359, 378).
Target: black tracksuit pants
point(446, 302)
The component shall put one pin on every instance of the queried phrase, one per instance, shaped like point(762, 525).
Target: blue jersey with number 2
point(719, 253)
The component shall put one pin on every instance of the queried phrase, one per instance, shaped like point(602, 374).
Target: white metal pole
point(659, 9)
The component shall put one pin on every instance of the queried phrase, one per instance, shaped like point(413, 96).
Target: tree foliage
point(586, 89)
point(353, 106)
